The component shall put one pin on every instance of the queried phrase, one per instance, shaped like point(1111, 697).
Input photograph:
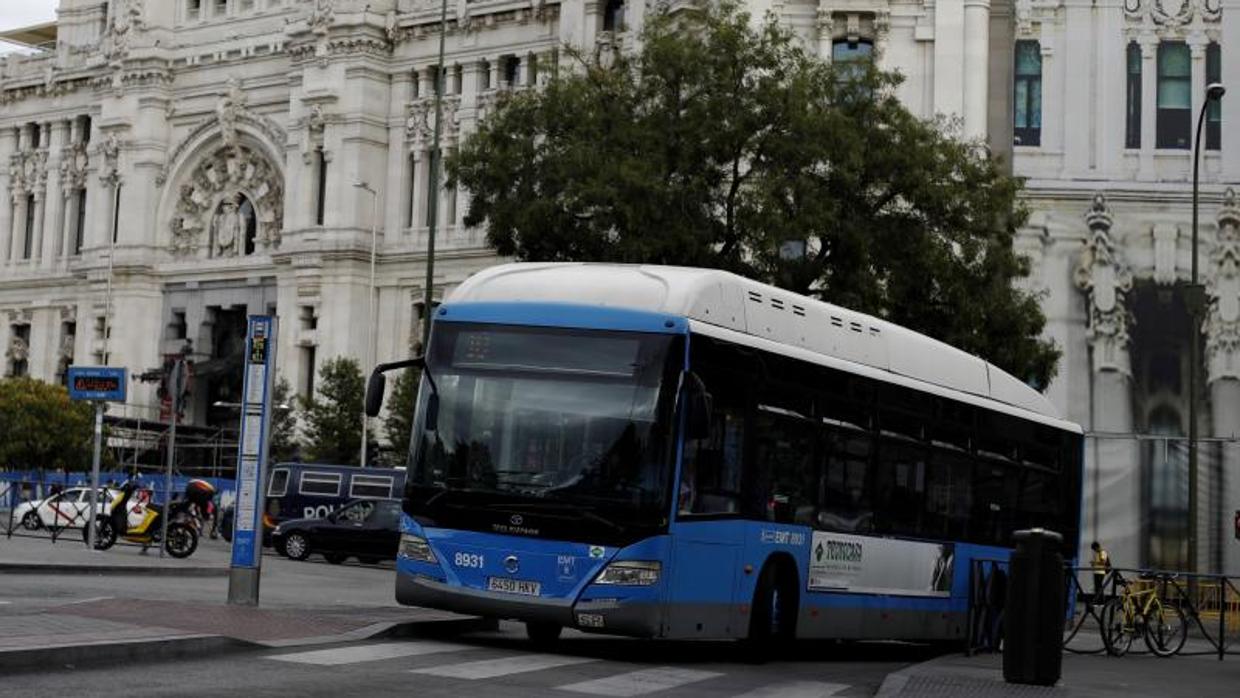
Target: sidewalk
point(69, 555)
point(981, 676)
point(115, 630)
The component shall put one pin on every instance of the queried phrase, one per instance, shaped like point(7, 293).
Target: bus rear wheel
point(543, 633)
point(773, 615)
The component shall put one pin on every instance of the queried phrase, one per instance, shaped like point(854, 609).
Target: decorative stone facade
point(222, 140)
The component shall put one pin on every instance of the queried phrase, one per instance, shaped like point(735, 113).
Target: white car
point(68, 509)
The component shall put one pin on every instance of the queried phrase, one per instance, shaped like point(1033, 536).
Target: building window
point(1214, 113)
point(458, 79)
point(432, 204)
point(178, 328)
point(1028, 97)
point(193, 9)
point(1175, 95)
point(320, 203)
point(484, 76)
point(79, 225)
point(221, 8)
point(28, 240)
point(1132, 131)
point(613, 16)
point(511, 64)
point(850, 57)
point(307, 370)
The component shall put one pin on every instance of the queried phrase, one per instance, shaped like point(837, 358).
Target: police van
point(314, 490)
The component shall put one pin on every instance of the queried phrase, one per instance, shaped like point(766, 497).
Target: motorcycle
point(116, 524)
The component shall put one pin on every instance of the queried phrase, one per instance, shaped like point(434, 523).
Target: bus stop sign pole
point(98, 384)
point(252, 451)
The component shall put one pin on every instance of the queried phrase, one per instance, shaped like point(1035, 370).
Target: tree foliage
point(333, 416)
point(41, 428)
point(721, 144)
point(398, 422)
point(283, 445)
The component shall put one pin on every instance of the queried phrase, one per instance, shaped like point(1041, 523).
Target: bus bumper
point(611, 616)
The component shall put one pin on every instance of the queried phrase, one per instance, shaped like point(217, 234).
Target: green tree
point(333, 416)
point(283, 445)
point(719, 144)
point(42, 428)
point(398, 422)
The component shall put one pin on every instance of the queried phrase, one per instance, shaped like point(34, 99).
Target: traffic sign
point(97, 383)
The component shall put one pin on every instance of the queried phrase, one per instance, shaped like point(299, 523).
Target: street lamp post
point(1195, 300)
point(433, 204)
point(370, 297)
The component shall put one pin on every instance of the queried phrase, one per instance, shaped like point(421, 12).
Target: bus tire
point(773, 615)
point(543, 633)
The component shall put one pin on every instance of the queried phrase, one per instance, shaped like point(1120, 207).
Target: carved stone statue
point(228, 110)
point(1107, 280)
point(1222, 325)
point(228, 229)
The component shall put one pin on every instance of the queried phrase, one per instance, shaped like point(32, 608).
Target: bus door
point(708, 534)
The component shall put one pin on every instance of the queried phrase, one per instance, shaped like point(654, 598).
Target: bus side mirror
point(374, 393)
point(700, 408)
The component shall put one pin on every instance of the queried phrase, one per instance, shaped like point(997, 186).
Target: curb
point(202, 646)
point(146, 649)
point(151, 570)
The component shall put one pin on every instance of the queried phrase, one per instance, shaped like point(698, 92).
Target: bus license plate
point(513, 586)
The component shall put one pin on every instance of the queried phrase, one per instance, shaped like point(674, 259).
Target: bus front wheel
point(543, 633)
point(773, 616)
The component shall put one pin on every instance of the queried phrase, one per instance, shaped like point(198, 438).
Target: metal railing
point(1210, 602)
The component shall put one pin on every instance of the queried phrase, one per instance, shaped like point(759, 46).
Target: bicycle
point(1163, 626)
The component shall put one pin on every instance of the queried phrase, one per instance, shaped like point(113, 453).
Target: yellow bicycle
point(1141, 611)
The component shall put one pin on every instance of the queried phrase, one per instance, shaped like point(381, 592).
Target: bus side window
point(711, 477)
point(845, 491)
point(784, 458)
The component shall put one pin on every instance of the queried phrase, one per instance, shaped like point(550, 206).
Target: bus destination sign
point(97, 383)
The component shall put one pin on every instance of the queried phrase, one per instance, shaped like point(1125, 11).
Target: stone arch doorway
point(231, 204)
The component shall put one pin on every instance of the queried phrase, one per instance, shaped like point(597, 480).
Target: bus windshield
point(566, 431)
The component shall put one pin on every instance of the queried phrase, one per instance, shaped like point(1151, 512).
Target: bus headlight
point(416, 548)
point(641, 573)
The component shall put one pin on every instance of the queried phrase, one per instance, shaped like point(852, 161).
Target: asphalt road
point(498, 663)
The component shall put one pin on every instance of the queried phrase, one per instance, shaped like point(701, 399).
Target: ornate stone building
point(218, 142)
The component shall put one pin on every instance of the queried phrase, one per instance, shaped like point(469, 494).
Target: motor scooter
point(182, 534)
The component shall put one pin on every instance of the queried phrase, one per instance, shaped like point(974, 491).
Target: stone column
point(421, 175)
point(7, 223)
point(16, 250)
point(1113, 483)
point(1149, 106)
point(53, 214)
point(1222, 344)
point(976, 66)
point(395, 210)
point(1230, 43)
point(1197, 49)
point(948, 56)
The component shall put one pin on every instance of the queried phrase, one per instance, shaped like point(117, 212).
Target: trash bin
point(1034, 612)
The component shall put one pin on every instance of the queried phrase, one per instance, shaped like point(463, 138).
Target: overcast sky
point(21, 13)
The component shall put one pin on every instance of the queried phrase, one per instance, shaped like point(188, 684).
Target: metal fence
point(1210, 602)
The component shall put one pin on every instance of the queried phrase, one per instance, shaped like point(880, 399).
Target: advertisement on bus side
point(861, 565)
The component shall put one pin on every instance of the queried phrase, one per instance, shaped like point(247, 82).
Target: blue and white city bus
point(684, 453)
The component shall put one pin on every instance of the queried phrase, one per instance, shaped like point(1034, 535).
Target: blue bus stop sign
point(97, 383)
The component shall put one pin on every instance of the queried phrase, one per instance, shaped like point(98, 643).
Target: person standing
point(1101, 564)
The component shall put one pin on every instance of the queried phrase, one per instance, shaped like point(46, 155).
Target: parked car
point(367, 529)
point(314, 490)
point(67, 509)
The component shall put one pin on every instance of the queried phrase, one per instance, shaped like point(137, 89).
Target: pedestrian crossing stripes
point(370, 653)
point(623, 683)
point(796, 689)
point(636, 683)
point(493, 668)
